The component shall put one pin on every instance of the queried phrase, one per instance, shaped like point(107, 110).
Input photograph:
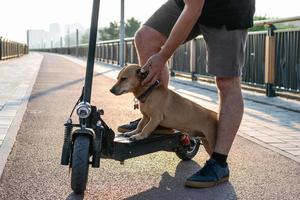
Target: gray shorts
point(225, 49)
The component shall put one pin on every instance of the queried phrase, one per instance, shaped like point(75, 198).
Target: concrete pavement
point(271, 122)
point(33, 171)
point(17, 77)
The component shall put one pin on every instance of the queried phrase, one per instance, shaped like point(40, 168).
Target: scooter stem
point(91, 52)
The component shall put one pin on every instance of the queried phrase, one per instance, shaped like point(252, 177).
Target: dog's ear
point(140, 74)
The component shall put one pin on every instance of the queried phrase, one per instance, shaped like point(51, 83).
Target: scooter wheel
point(80, 163)
point(186, 153)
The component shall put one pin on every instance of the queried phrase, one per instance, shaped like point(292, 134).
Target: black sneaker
point(132, 125)
point(210, 175)
point(129, 127)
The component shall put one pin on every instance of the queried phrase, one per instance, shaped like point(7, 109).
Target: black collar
point(142, 98)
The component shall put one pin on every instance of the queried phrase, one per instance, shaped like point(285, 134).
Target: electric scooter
point(91, 139)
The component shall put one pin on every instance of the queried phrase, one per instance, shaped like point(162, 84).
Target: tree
point(112, 31)
point(109, 33)
point(131, 26)
point(85, 37)
point(264, 28)
point(259, 28)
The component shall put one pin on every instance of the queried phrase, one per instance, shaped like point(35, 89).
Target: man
point(223, 24)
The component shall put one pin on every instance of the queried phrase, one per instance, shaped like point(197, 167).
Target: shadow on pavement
point(62, 86)
point(260, 104)
point(74, 196)
point(173, 187)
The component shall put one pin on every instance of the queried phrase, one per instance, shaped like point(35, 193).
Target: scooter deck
point(124, 148)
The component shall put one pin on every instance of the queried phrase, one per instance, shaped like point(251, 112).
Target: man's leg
point(226, 53)
point(148, 42)
point(231, 108)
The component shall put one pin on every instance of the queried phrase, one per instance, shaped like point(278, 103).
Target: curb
point(245, 97)
point(270, 147)
point(12, 131)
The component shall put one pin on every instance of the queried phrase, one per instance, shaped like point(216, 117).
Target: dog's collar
point(142, 98)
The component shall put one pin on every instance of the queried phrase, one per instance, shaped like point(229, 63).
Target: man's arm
point(184, 25)
point(182, 28)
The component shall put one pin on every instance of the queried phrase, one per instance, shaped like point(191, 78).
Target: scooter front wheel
point(80, 163)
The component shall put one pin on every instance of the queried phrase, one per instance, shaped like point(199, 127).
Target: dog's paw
point(128, 134)
point(137, 137)
point(125, 134)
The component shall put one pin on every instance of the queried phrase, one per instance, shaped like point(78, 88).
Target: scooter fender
point(87, 132)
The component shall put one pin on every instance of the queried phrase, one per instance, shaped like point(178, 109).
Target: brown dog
point(164, 107)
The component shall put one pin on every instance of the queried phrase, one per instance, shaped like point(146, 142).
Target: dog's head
point(128, 80)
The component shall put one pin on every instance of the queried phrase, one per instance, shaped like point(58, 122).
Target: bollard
point(270, 61)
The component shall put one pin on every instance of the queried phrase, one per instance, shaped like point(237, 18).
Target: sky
point(17, 16)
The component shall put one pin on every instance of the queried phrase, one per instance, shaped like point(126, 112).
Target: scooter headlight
point(83, 110)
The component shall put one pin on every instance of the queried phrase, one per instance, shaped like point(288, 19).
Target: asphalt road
point(33, 170)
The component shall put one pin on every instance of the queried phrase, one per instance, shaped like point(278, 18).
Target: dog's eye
point(123, 79)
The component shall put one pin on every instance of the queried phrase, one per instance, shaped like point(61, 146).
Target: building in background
point(54, 34)
point(38, 38)
point(70, 34)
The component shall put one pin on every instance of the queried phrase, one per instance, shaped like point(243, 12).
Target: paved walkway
point(33, 169)
point(271, 122)
point(17, 77)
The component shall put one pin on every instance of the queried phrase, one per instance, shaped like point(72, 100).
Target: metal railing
point(10, 49)
point(272, 57)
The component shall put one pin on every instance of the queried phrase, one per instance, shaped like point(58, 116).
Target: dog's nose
point(112, 90)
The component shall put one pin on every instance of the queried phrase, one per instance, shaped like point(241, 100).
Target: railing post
point(61, 45)
point(117, 52)
point(193, 59)
point(18, 49)
point(101, 52)
point(270, 61)
point(61, 42)
point(96, 54)
point(28, 38)
point(77, 42)
point(4, 52)
point(0, 48)
point(132, 51)
point(111, 53)
point(171, 65)
point(106, 54)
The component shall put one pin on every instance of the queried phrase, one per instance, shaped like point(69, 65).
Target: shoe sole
point(195, 184)
point(157, 131)
point(122, 130)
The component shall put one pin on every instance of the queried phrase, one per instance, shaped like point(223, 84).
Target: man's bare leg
point(231, 108)
point(148, 42)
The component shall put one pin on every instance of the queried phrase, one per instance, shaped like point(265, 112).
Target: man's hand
point(183, 26)
point(154, 65)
